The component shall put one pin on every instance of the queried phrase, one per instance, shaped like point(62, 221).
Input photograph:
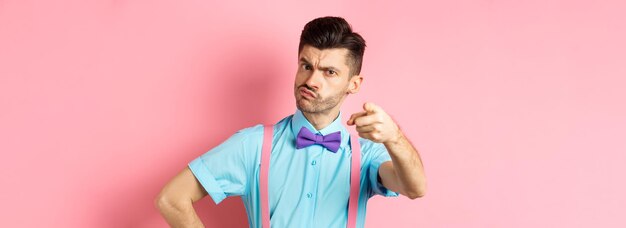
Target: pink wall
point(517, 108)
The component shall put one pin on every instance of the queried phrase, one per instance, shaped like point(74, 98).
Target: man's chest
point(310, 173)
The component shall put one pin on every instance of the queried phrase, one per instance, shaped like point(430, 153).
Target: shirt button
point(309, 195)
point(313, 162)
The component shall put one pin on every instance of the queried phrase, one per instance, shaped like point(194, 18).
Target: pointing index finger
point(354, 116)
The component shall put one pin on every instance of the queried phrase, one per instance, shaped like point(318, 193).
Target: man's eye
point(306, 67)
point(331, 72)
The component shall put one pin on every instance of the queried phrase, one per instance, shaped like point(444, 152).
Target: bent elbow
point(164, 202)
point(417, 193)
point(161, 202)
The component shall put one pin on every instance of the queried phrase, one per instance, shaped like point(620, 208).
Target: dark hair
point(334, 32)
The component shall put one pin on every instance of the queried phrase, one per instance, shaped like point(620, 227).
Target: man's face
point(322, 79)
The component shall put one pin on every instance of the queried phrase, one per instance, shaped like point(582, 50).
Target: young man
point(309, 184)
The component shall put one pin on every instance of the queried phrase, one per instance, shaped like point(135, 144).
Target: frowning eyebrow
point(304, 60)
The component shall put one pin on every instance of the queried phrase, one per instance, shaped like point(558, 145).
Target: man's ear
point(354, 84)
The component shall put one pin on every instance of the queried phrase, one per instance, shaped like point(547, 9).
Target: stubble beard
point(317, 105)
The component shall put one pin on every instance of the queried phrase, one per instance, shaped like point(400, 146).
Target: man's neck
point(320, 120)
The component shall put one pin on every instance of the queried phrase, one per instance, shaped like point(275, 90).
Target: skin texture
point(322, 83)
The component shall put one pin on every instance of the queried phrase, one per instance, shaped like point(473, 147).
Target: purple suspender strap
point(355, 178)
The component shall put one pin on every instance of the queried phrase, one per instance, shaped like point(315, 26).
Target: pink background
point(517, 108)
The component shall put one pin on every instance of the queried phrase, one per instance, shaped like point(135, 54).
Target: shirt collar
point(299, 120)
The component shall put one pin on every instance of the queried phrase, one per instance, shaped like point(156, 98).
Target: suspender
point(266, 149)
point(355, 181)
point(355, 177)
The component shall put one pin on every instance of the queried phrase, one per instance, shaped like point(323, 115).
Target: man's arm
point(175, 201)
point(405, 172)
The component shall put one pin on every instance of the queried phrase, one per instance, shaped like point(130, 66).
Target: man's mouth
point(307, 93)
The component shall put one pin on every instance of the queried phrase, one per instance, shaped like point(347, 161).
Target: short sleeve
point(224, 170)
point(379, 156)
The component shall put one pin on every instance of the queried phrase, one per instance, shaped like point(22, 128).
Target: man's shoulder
point(251, 130)
point(257, 130)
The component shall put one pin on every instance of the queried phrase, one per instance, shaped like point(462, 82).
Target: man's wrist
point(396, 140)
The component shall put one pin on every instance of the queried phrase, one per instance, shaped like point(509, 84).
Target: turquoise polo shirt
point(308, 187)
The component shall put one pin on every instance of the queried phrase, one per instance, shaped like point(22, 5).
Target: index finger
point(354, 116)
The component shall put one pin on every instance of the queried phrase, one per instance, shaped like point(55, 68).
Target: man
point(309, 186)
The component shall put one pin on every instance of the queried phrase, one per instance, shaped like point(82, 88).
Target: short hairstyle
point(334, 32)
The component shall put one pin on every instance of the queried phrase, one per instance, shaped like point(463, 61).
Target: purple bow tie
point(330, 141)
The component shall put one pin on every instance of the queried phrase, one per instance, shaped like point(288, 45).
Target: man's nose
point(313, 81)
